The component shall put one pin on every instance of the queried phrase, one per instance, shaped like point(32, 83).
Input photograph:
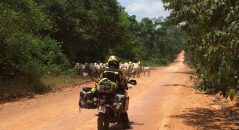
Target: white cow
point(79, 68)
point(123, 69)
point(99, 68)
point(129, 69)
point(136, 69)
point(91, 69)
point(146, 70)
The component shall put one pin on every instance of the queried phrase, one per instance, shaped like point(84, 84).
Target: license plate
point(101, 109)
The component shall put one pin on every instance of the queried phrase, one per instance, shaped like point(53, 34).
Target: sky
point(144, 8)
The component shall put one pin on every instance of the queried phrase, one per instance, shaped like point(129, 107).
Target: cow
point(146, 70)
point(123, 69)
point(136, 70)
point(129, 69)
point(79, 68)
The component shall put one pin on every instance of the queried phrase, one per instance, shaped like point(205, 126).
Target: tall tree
point(25, 47)
point(213, 27)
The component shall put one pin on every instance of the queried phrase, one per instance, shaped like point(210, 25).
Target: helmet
point(113, 61)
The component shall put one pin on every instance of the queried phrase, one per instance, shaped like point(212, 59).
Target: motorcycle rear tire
point(125, 120)
point(103, 122)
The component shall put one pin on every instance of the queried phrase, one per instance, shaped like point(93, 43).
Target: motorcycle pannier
point(87, 98)
point(121, 102)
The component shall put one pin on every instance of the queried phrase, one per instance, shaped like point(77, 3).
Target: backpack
point(106, 86)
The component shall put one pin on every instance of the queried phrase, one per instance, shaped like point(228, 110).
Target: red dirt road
point(162, 101)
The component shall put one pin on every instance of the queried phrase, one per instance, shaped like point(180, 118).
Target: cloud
point(145, 8)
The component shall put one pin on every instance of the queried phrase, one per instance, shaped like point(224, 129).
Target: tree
point(26, 49)
point(159, 40)
point(213, 27)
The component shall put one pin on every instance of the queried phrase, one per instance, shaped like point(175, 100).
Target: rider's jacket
point(116, 76)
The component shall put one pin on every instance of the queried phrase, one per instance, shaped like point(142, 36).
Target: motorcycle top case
point(87, 98)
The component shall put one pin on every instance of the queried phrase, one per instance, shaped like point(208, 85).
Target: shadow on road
point(183, 85)
point(206, 119)
point(118, 127)
point(186, 72)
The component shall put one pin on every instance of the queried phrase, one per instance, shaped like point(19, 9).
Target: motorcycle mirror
point(133, 82)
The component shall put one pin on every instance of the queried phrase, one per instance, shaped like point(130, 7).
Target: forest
point(42, 38)
point(213, 28)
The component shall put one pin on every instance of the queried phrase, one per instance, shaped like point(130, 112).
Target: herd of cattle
point(129, 69)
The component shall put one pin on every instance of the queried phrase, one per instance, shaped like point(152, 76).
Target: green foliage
point(41, 38)
point(86, 28)
point(159, 40)
point(26, 50)
point(213, 27)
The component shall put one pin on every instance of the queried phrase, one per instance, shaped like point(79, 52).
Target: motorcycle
point(112, 106)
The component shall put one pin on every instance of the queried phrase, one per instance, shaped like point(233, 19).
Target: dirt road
point(161, 101)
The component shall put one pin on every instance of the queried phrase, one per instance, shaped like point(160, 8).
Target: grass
point(28, 87)
point(151, 63)
point(58, 82)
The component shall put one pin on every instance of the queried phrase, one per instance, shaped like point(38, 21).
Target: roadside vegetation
point(214, 46)
point(41, 40)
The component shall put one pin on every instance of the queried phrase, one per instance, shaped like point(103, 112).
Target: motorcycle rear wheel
point(125, 120)
point(103, 122)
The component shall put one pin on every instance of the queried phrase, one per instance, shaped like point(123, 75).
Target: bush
point(26, 50)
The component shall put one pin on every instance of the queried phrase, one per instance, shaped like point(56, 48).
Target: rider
point(114, 74)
